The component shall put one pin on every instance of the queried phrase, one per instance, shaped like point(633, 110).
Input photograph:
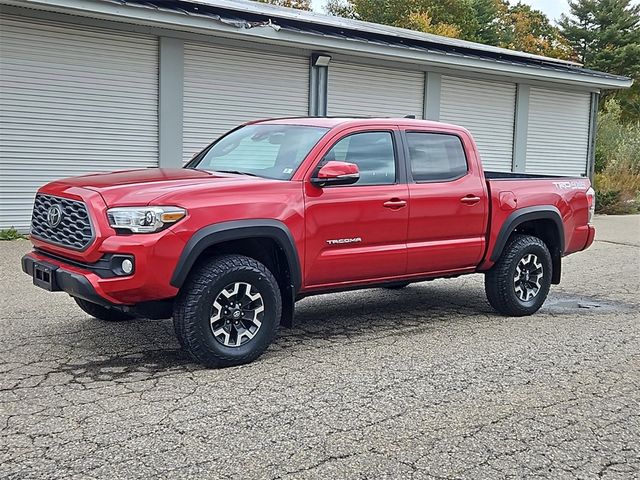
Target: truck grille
point(62, 222)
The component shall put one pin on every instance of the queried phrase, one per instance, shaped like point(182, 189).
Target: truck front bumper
point(56, 279)
point(154, 258)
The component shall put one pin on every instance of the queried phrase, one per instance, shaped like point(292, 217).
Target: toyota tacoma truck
point(277, 210)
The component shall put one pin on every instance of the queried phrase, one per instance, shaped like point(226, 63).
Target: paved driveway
point(423, 383)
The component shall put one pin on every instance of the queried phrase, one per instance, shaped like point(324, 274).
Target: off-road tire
point(102, 313)
point(193, 310)
point(499, 281)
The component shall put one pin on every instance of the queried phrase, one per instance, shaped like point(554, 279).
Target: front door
point(357, 233)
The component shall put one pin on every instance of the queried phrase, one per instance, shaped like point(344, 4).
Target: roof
point(331, 122)
point(359, 26)
point(268, 23)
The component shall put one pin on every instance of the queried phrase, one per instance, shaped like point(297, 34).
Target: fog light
point(127, 266)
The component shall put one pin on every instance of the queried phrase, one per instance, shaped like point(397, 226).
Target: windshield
point(270, 151)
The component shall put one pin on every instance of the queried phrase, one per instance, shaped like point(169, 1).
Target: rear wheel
point(228, 311)
point(518, 284)
point(102, 313)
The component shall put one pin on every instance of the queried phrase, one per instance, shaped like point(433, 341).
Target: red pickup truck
point(277, 210)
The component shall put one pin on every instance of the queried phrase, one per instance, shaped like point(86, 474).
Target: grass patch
point(10, 234)
point(617, 177)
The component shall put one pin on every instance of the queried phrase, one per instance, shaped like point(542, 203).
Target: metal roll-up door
point(360, 90)
point(225, 87)
point(74, 100)
point(558, 137)
point(487, 110)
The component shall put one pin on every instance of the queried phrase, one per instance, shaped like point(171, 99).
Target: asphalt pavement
point(426, 382)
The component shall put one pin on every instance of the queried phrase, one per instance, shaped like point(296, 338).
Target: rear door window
point(436, 156)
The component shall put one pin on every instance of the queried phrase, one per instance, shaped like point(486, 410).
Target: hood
point(141, 187)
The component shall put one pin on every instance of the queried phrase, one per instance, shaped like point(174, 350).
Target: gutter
point(269, 33)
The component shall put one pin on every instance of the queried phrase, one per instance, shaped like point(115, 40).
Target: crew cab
point(280, 209)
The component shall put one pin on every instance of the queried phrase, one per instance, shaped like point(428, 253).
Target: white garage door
point(226, 87)
point(487, 110)
point(358, 90)
point(558, 139)
point(74, 100)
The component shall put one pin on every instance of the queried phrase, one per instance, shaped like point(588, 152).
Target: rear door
point(448, 202)
point(358, 232)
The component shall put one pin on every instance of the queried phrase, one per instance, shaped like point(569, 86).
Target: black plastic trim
point(65, 281)
point(60, 244)
point(107, 267)
point(497, 176)
point(237, 230)
point(542, 212)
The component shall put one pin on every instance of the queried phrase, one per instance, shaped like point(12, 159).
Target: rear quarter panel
point(568, 195)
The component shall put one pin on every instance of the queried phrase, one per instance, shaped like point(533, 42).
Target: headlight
point(144, 219)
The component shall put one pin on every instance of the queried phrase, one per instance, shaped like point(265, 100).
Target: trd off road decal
point(571, 185)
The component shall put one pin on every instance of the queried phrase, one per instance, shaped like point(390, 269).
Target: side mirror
point(336, 173)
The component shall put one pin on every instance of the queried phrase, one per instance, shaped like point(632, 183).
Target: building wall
point(73, 100)
point(81, 96)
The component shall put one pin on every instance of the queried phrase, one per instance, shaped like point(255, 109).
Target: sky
point(553, 8)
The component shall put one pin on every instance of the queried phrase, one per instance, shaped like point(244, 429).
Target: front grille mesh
point(74, 230)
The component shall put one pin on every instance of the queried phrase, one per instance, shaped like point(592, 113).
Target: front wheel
point(102, 313)
point(228, 311)
point(518, 284)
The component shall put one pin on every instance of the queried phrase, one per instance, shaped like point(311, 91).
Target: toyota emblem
point(54, 215)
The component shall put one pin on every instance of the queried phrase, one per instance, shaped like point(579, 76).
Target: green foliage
point(341, 8)
point(299, 4)
point(489, 16)
point(492, 22)
point(530, 30)
point(606, 36)
point(607, 202)
point(10, 234)
point(431, 16)
point(617, 179)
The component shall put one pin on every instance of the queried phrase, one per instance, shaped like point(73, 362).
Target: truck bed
point(491, 175)
point(514, 194)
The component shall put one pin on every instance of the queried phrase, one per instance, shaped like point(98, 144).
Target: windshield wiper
point(237, 172)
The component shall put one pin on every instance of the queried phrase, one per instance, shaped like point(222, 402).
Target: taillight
point(591, 201)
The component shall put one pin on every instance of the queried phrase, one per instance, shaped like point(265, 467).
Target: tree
point(299, 4)
point(341, 8)
point(606, 36)
point(490, 15)
point(492, 22)
point(453, 17)
point(530, 30)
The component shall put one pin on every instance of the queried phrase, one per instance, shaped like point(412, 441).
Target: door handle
point(395, 204)
point(470, 200)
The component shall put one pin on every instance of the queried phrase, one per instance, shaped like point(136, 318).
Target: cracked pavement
point(427, 382)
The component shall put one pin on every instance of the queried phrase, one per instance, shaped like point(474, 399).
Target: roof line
point(206, 19)
point(315, 18)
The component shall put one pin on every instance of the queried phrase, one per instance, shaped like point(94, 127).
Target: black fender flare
point(238, 230)
point(518, 217)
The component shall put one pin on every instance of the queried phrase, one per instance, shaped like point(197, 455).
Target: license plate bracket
point(44, 276)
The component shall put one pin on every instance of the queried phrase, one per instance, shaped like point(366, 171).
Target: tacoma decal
point(344, 240)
